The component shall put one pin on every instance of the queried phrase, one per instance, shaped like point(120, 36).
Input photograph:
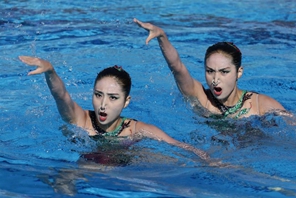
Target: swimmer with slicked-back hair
point(222, 63)
point(110, 96)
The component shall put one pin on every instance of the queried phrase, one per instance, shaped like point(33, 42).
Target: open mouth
point(217, 91)
point(102, 116)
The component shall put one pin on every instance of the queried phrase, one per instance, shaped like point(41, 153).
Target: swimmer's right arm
point(151, 131)
point(68, 109)
point(186, 84)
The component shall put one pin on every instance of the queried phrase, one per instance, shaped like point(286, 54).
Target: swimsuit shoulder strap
point(123, 124)
point(257, 99)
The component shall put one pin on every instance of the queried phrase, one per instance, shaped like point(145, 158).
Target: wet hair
point(227, 48)
point(121, 76)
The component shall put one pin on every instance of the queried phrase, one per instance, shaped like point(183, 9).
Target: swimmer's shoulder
point(265, 103)
point(129, 126)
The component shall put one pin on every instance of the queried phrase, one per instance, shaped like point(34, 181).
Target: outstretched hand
point(154, 31)
point(42, 65)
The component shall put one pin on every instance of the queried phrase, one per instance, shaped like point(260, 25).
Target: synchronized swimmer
point(222, 63)
point(110, 96)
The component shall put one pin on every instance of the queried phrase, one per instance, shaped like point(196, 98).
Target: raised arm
point(186, 84)
point(153, 132)
point(68, 109)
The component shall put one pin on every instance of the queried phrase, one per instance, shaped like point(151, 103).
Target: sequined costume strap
point(102, 132)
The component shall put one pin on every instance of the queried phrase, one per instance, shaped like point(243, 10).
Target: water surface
point(39, 154)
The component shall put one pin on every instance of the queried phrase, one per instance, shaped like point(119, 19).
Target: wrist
point(50, 71)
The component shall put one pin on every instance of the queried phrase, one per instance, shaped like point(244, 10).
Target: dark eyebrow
point(219, 69)
point(224, 68)
point(97, 91)
point(109, 94)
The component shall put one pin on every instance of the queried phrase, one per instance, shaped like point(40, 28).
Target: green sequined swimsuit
point(236, 109)
point(102, 132)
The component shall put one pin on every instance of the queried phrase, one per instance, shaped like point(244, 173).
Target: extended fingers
point(150, 37)
point(36, 71)
point(30, 60)
point(42, 65)
point(146, 26)
point(153, 30)
point(138, 22)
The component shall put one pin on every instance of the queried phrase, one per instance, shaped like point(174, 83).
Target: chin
point(220, 97)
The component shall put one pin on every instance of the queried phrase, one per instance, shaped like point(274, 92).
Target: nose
point(103, 104)
point(216, 76)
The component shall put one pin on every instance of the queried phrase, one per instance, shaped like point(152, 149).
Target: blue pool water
point(39, 155)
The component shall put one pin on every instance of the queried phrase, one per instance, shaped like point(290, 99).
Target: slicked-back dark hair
point(121, 76)
point(228, 48)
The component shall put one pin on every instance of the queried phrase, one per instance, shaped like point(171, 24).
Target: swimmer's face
point(108, 101)
point(221, 70)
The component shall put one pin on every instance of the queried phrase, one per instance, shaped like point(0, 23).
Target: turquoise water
point(39, 155)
